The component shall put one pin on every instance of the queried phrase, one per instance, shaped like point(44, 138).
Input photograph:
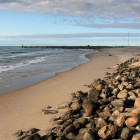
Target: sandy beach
point(21, 109)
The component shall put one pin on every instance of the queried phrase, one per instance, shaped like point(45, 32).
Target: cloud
point(75, 35)
point(113, 25)
point(104, 9)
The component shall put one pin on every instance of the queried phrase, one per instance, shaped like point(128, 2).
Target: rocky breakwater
point(109, 110)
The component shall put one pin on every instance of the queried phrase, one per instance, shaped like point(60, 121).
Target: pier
point(69, 47)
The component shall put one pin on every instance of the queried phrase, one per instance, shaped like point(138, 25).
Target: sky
point(70, 22)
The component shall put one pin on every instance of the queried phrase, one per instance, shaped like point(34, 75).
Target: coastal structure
point(69, 47)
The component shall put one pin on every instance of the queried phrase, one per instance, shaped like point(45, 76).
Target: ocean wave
point(22, 64)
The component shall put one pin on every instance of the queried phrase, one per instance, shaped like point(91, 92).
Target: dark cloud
point(105, 9)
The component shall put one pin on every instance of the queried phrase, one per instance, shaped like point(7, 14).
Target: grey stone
point(126, 133)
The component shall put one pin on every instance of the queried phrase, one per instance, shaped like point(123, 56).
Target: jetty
point(70, 47)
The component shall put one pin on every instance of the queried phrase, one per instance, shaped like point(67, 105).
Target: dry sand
point(21, 109)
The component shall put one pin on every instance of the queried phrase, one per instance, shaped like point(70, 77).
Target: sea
point(21, 67)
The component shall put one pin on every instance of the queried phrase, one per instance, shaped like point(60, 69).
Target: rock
point(91, 127)
point(81, 134)
point(131, 93)
point(120, 121)
point(133, 97)
point(130, 86)
point(118, 103)
point(68, 129)
point(72, 95)
point(108, 132)
point(103, 95)
point(66, 123)
point(100, 122)
point(79, 94)
point(67, 116)
point(128, 109)
point(122, 94)
point(137, 85)
point(114, 115)
point(133, 121)
point(59, 132)
point(63, 105)
point(125, 83)
point(88, 107)
point(110, 99)
point(121, 87)
point(93, 95)
point(137, 91)
point(136, 111)
point(105, 113)
point(83, 121)
point(118, 77)
point(35, 136)
point(77, 125)
point(136, 137)
point(88, 136)
point(70, 136)
point(124, 78)
point(138, 127)
point(75, 106)
point(58, 122)
point(126, 134)
point(19, 133)
point(47, 111)
point(137, 103)
point(51, 137)
point(115, 91)
point(103, 101)
point(99, 87)
point(48, 107)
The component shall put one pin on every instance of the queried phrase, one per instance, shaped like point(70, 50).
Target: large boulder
point(108, 132)
point(122, 94)
point(118, 103)
point(120, 121)
point(93, 95)
point(133, 121)
point(88, 107)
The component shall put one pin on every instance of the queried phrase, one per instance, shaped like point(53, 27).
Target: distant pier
point(69, 47)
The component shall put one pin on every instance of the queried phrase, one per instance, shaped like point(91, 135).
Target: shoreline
point(21, 83)
point(21, 109)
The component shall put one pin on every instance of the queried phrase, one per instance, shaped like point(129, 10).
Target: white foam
point(22, 64)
